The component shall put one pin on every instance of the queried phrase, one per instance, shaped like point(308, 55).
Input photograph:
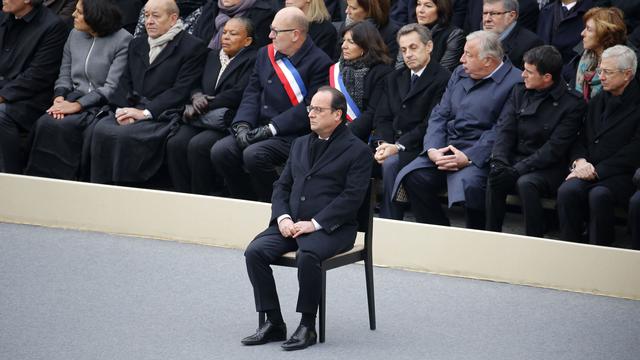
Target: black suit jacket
point(534, 133)
point(330, 191)
point(29, 68)
point(403, 111)
point(612, 145)
point(518, 42)
point(233, 81)
point(373, 93)
point(168, 81)
point(527, 17)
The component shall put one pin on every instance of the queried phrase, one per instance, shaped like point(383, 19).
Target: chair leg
point(261, 318)
point(323, 304)
point(368, 272)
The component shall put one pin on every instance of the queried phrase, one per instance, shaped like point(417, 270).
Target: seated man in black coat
point(273, 108)
point(606, 153)
point(538, 125)
point(128, 146)
point(31, 38)
point(314, 207)
point(501, 17)
point(467, 14)
point(401, 118)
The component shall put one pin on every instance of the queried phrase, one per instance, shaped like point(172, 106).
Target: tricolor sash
point(289, 77)
point(335, 80)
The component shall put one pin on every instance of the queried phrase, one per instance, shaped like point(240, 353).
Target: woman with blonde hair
point(321, 30)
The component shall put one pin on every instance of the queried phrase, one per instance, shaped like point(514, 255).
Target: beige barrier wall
point(232, 223)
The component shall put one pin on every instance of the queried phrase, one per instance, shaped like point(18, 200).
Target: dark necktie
point(565, 11)
point(414, 78)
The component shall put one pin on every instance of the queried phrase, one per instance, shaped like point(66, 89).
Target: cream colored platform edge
point(233, 223)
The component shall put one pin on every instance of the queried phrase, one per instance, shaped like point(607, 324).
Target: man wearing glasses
point(273, 108)
point(314, 207)
point(500, 17)
point(606, 154)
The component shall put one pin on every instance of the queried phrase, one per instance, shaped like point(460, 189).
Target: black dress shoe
point(303, 337)
point(267, 332)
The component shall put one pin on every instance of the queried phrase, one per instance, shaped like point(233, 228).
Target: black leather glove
point(241, 131)
point(259, 134)
point(502, 175)
point(636, 178)
point(200, 102)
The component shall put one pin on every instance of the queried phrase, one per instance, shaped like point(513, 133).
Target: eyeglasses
point(494, 13)
point(608, 72)
point(277, 32)
point(318, 109)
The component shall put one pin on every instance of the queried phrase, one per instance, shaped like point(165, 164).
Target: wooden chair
point(358, 253)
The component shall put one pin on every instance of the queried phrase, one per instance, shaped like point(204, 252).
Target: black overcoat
point(29, 68)
point(518, 42)
point(537, 133)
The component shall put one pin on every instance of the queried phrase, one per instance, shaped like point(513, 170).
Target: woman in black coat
point(360, 74)
point(321, 30)
point(376, 12)
point(211, 110)
point(211, 21)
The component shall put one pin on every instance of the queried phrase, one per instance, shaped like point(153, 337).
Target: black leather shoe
point(302, 338)
point(267, 332)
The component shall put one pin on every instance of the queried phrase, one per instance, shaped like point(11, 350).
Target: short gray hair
point(624, 56)
point(489, 44)
point(509, 5)
point(423, 32)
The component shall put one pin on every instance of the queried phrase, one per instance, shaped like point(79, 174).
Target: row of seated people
point(82, 136)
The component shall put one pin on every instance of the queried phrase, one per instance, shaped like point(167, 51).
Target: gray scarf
point(158, 44)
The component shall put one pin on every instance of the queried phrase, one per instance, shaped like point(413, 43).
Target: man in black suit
point(31, 38)
point(467, 14)
point(313, 212)
point(537, 126)
point(606, 153)
point(501, 17)
point(401, 118)
point(273, 108)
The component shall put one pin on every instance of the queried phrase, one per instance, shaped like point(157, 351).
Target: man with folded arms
point(314, 208)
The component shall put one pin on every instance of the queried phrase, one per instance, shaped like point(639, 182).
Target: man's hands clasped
point(290, 229)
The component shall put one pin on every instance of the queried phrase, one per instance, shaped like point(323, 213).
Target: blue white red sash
point(289, 77)
point(335, 80)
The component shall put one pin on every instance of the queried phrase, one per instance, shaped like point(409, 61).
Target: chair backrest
point(365, 214)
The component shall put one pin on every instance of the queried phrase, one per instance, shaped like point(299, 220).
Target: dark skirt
point(60, 148)
point(129, 153)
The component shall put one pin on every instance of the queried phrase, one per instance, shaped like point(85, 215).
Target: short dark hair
point(365, 35)
point(102, 16)
point(443, 10)
point(248, 25)
point(423, 32)
point(338, 101)
point(546, 59)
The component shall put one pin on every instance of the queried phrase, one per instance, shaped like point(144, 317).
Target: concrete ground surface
point(68, 294)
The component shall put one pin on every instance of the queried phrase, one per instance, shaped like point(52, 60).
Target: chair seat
point(289, 259)
point(292, 254)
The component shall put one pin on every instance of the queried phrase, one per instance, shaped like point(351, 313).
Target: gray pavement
point(79, 295)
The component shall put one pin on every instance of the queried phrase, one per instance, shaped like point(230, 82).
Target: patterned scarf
point(158, 44)
point(224, 14)
point(587, 81)
point(353, 74)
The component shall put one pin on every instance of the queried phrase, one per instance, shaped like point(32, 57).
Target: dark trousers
point(189, 160)
point(580, 201)
point(531, 188)
point(634, 220)
point(264, 250)
point(259, 160)
point(390, 209)
point(424, 185)
point(12, 156)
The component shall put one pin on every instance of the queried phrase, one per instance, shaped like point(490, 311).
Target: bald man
point(163, 67)
point(273, 110)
